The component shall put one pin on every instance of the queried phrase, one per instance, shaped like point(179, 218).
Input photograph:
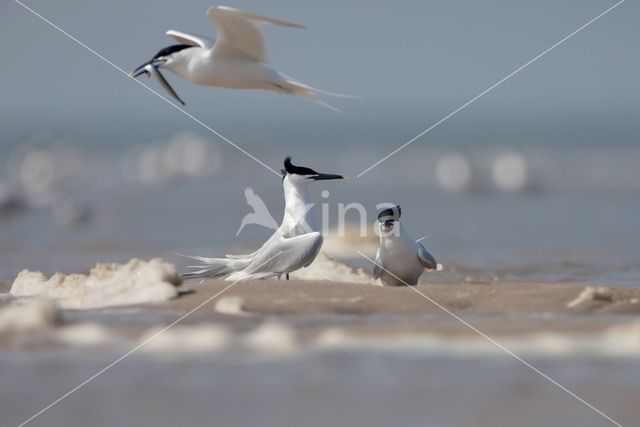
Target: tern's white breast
point(201, 67)
point(400, 257)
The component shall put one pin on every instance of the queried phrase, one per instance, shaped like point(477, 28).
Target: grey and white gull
point(400, 260)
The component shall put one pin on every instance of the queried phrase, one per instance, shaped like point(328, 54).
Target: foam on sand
point(268, 339)
point(348, 241)
point(272, 338)
point(84, 335)
point(186, 339)
point(326, 268)
point(30, 315)
point(617, 341)
point(591, 293)
point(107, 285)
point(233, 305)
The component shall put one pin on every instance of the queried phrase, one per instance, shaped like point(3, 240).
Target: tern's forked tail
point(309, 93)
point(211, 268)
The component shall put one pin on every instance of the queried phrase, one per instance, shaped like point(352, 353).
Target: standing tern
point(294, 245)
point(237, 59)
point(400, 260)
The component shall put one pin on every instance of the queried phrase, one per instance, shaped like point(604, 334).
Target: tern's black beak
point(326, 176)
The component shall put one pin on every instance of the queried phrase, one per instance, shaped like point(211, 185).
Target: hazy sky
point(414, 59)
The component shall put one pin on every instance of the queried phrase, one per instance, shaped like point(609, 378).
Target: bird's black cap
point(298, 170)
point(290, 168)
point(171, 49)
point(390, 214)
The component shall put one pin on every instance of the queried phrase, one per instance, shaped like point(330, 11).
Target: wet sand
point(363, 315)
point(501, 308)
point(310, 307)
point(318, 297)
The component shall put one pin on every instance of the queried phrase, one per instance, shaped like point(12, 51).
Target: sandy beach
point(311, 308)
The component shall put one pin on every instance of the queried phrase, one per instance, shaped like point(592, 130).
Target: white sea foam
point(29, 316)
point(107, 285)
point(84, 335)
point(346, 243)
point(186, 339)
point(591, 293)
point(231, 305)
point(326, 268)
point(272, 338)
point(511, 172)
point(621, 340)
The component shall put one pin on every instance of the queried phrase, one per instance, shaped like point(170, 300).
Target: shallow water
point(357, 389)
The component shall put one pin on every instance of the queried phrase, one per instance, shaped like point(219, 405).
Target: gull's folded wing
point(426, 259)
point(190, 39)
point(284, 253)
point(238, 35)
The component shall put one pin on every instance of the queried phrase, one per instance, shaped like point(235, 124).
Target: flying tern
point(237, 59)
point(400, 260)
point(294, 245)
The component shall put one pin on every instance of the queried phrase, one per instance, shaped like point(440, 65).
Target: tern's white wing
point(377, 267)
point(238, 33)
point(190, 39)
point(282, 255)
point(426, 259)
point(271, 241)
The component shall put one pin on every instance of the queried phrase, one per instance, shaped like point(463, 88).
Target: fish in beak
point(151, 69)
